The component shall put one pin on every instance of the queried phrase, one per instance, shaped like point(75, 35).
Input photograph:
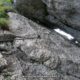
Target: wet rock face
point(66, 11)
point(32, 9)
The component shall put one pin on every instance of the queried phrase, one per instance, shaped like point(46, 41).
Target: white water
point(66, 35)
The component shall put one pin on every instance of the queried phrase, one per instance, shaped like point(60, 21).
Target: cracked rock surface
point(46, 57)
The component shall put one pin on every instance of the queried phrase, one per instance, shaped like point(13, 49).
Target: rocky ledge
point(33, 52)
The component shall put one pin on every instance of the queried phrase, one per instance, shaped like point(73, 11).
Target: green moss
point(3, 22)
point(5, 5)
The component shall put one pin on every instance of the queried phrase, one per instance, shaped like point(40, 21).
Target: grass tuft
point(5, 6)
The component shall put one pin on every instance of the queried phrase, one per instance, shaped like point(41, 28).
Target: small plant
point(4, 23)
point(5, 6)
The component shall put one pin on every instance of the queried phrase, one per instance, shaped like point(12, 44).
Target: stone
point(6, 48)
point(3, 63)
point(6, 36)
point(1, 77)
point(40, 55)
point(70, 67)
point(54, 11)
point(53, 62)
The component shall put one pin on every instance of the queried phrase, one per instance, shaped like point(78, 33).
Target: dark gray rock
point(6, 36)
point(55, 11)
point(53, 62)
point(65, 11)
point(17, 21)
point(30, 9)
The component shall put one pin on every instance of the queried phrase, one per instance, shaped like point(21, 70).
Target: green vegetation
point(4, 23)
point(5, 6)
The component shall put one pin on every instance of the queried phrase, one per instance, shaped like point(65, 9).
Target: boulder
point(47, 57)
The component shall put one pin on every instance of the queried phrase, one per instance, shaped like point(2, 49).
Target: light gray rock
point(55, 11)
point(71, 68)
point(53, 62)
point(17, 21)
point(47, 57)
point(66, 11)
point(3, 62)
point(40, 55)
point(33, 10)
